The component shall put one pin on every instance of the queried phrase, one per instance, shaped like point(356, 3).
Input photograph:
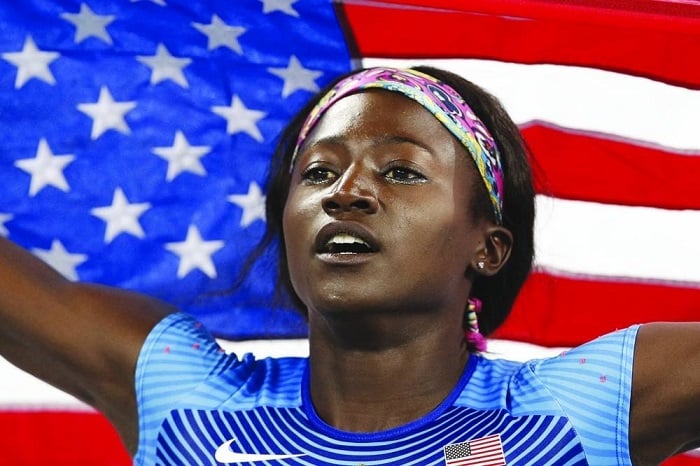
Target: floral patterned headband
point(440, 100)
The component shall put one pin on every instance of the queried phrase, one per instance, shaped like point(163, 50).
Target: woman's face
point(378, 213)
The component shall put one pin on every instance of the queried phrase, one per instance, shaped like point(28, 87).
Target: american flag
point(137, 133)
point(137, 137)
point(486, 451)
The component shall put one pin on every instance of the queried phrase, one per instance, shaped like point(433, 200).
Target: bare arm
point(83, 339)
point(665, 412)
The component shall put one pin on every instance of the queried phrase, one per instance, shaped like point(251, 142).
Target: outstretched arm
point(665, 411)
point(83, 339)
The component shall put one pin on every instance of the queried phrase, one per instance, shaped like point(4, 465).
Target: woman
point(402, 211)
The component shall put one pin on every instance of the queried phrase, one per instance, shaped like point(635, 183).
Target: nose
point(350, 193)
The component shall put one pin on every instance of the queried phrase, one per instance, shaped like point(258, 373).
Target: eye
point(317, 175)
point(401, 174)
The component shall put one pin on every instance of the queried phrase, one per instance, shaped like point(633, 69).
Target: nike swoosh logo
point(225, 455)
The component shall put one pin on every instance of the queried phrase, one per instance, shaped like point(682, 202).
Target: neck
point(366, 376)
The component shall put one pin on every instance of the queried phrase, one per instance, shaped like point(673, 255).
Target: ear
point(494, 252)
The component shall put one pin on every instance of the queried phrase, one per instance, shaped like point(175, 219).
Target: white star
point(253, 204)
point(220, 34)
point(4, 218)
point(46, 169)
point(157, 2)
point(195, 253)
point(181, 157)
point(240, 118)
point(284, 6)
point(165, 66)
point(61, 260)
point(31, 63)
point(89, 24)
point(121, 216)
point(107, 114)
point(295, 77)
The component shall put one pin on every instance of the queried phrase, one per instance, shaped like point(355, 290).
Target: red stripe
point(560, 311)
point(40, 438)
point(590, 168)
point(682, 460)
point(646, 44)
point(663, 13)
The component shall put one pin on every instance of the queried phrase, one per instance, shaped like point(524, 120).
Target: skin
point(383, 167)
point(665, 413)
point(83, 339)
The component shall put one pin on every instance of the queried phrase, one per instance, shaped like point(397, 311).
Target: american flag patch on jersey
point(486, 451)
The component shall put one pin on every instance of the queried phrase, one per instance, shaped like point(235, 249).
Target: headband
point(439, 99)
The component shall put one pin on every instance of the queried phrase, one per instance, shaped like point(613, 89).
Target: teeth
point(347, 239)
point(344, 243)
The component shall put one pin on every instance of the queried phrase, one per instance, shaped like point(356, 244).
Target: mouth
point(345, 240)
point(344, 243)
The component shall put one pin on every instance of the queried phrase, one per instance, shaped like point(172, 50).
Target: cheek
point(297, 226)
point(295, 217)
point(291, 237)
point(287, 220)
point(451, 235)
point(290, 229)
point(429, 236)
point(452, 232)
point(290, 214)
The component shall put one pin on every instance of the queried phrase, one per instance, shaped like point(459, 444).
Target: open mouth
point(345, 239)
point(344, 243)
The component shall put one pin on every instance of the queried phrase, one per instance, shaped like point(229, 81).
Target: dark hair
point(498, 292)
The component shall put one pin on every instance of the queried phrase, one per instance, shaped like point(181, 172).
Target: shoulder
point(181, 354)
point(597, 374)
point(589, 385)
point(182, 368)
point(600, 365)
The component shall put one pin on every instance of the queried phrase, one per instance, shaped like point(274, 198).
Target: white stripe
point(615, 241)
point(585, 99)
point(21, 391)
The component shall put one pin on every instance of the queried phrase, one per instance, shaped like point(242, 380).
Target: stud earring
point(480, 265)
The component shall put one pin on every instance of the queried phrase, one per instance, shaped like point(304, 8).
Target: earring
point(480, 265)
point(472, 334)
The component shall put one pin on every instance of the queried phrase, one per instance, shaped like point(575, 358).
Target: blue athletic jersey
point(200, 406)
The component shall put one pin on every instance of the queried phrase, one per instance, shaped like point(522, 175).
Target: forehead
point(379, 113)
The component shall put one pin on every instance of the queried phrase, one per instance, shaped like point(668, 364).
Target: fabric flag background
point(137, 133)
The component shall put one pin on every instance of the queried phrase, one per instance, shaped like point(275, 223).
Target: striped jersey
point(199, 405)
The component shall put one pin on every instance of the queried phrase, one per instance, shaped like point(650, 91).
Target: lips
point(342, 238)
